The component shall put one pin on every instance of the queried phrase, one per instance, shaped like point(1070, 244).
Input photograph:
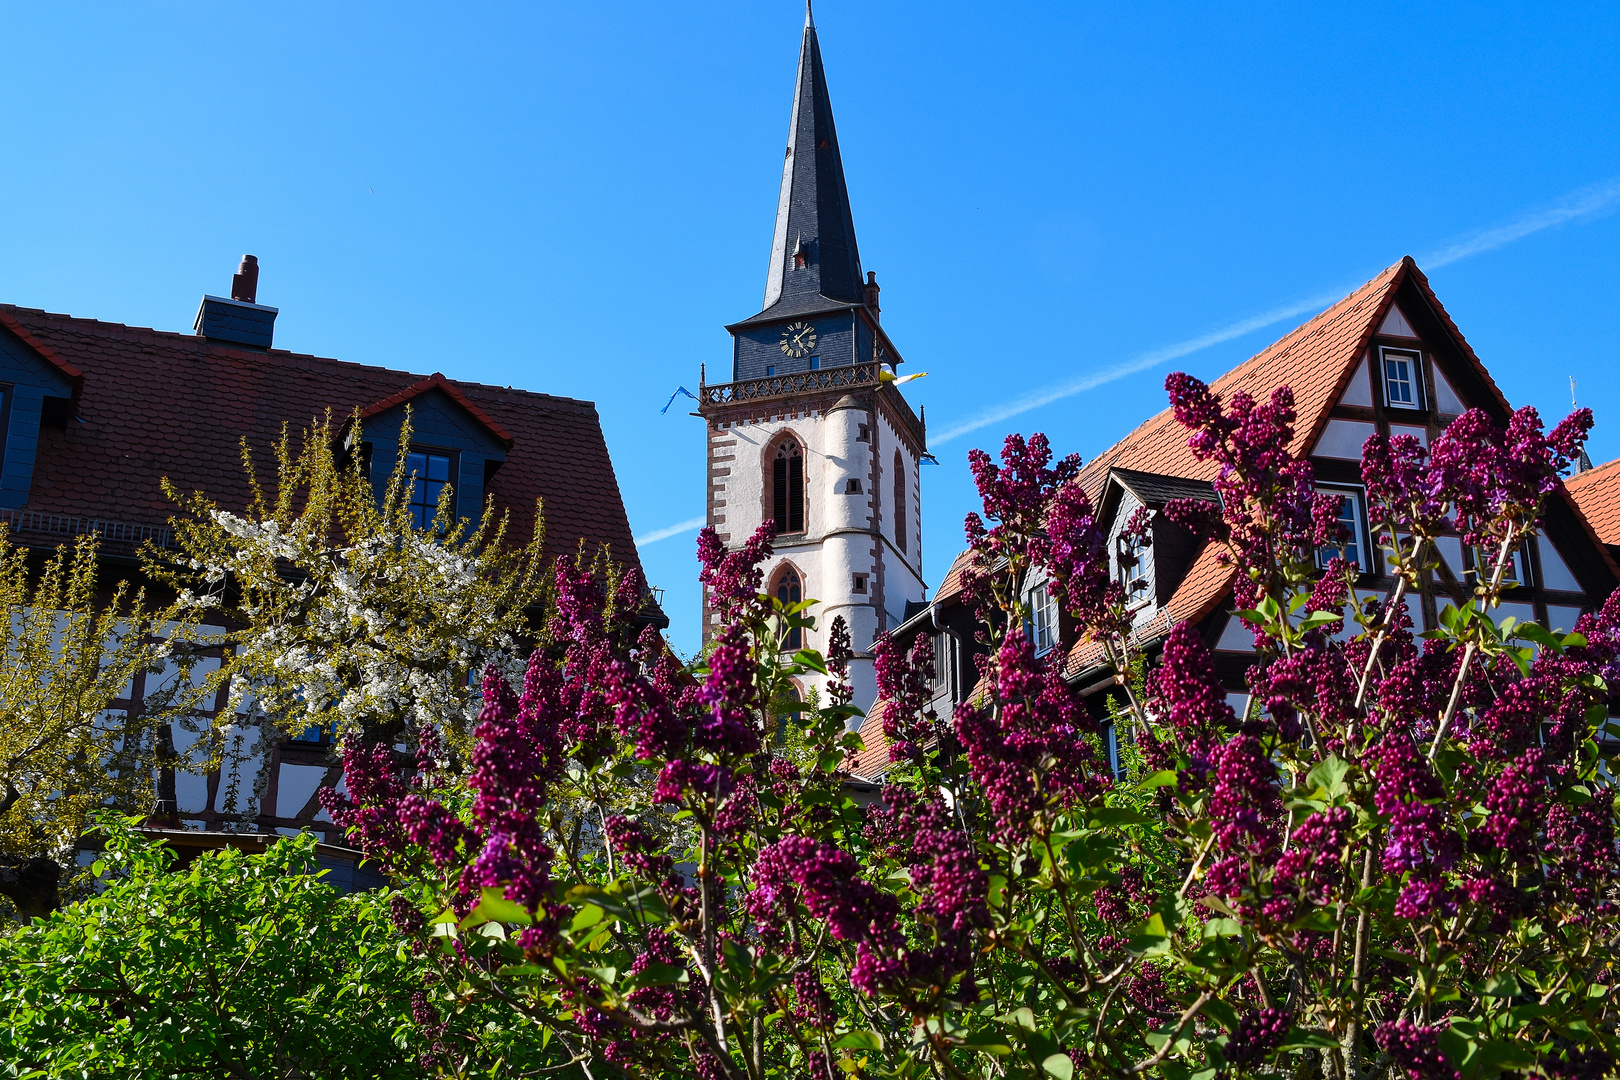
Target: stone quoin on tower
point(805, 433)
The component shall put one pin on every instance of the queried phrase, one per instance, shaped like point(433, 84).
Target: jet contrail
point(670, 530)
point(1584, 203)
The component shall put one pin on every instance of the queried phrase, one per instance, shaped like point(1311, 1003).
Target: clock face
point(798, 339)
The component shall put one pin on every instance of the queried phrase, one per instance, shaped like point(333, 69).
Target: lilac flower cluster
point(1025, 747)
point(905, 685)
point(1416, 1049)
point(1258, 1034)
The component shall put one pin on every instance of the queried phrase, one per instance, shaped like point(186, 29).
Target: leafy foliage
point(1398, 860)
point(68, 655)
point(236, 966)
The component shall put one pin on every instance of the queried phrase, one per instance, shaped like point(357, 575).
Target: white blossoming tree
point(341, 615)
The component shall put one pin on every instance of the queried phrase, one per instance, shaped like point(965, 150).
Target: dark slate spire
point(813, 222)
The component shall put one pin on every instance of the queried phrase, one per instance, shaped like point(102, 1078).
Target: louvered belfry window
point(787, 488)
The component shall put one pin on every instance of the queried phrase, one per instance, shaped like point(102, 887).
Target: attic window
point(430, 471)
point(1402, 379)
point(1043, 619)
point(1131, 556)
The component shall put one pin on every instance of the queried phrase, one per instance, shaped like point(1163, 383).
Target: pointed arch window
point(789, 590)
point(899, 501)
point(787, 487)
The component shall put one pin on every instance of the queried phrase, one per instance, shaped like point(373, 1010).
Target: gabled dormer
point(37, 388)
point(1148, 563)
point(453, 441)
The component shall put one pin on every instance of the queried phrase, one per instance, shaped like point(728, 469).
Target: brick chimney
point(241, 321)
point(245, 283)
point(872, 291)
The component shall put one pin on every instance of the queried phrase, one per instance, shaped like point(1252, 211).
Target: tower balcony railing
point(27, 524)
point(774, 388)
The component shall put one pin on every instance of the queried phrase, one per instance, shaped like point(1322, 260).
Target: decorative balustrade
point(116, 532)
point(773, 388)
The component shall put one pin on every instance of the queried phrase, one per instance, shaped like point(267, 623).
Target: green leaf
point(1502, 986)
point(1060, 1066)
point(1538, 634)
point(1222, 1013)
point(1330, 774)
point(1162, 778)
point(99, 867)
point(859, 1040)
point(1320, 618)
point(809, 658)
point(1299, 1038)
point(1150, 937)
point(1114, 816)
point(987, 1042)
point(586, 917)
point(495, 907)
point(660, 975)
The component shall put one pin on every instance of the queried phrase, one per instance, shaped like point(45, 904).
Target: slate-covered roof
point(1156, 490)
point(1597, 494)
point(813, 206)
point(157, 403)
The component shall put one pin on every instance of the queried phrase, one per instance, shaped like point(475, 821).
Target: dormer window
point(1403, 381)
point(1131, 567)
point(1043, 619)
point(430, 471)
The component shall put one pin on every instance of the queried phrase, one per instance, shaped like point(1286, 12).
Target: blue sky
point(1063, 202)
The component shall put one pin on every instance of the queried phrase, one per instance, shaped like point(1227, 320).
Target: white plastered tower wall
point(849, 535)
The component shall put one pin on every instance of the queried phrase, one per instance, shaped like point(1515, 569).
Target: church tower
point(807, 433)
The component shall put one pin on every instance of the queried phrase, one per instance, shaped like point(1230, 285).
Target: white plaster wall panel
point(1562, 618)
point(1343, 439)
point(240, 771)
point(1235, 637)
point(1445, 398)
point(295, 786)
point(1451, 550)
point(1395, 324)
point(1421, 434)
point(1359, 392)
point(322, 815)
point(1554, 571)
point(190, 789)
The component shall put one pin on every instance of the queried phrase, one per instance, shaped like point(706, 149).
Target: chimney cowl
point(245, 283)
point(240, 320)
point(872, 291)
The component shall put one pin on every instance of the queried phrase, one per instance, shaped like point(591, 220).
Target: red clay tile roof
point(74, 374)
point(157, 403)
point(952, 585)
point(873, 760)
point(1207, 583)
point(437, 381)
point(1596, 492)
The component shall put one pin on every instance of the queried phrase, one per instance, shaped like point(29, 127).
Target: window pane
point(1398, 377)
point(438, 467)
point(416, 463)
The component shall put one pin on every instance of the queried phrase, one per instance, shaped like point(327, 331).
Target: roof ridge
point(200, 344)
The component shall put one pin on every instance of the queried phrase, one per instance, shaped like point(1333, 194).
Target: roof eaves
point(48, 354)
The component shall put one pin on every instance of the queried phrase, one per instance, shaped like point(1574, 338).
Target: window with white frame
point(1482, 564)
point(1043, 619)
point(1131, 567)
point(1403, 379)
point(1353, 518)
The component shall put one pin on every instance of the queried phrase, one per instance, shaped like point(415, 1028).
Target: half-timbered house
point(1387, 358)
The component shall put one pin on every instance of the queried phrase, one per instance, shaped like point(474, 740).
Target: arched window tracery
point(789, 589)
point(899, 501)
point(787, 487)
